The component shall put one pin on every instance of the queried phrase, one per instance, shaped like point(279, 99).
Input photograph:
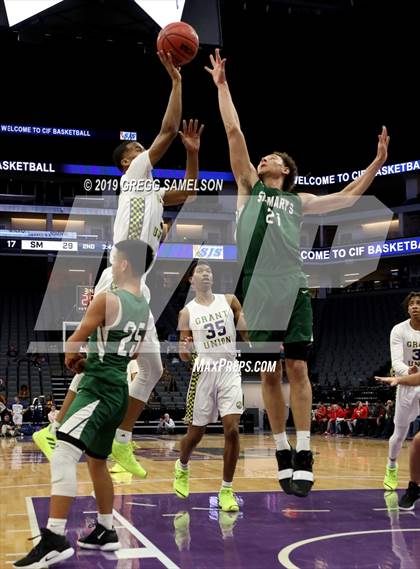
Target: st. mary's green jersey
point(268, 232)
point(110, 348)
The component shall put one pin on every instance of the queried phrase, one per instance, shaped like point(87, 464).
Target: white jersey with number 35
point(213, 329)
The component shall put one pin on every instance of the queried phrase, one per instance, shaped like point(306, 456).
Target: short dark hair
point(407, 299)
point(290, 179)
point(198, 264)
point(119, 152)
point(138, 253)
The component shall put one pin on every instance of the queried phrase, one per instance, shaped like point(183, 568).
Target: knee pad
point(63, 469)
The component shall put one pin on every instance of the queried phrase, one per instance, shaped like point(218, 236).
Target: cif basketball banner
point(208, 252)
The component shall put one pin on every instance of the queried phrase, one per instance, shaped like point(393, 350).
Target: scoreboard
point(15, 245)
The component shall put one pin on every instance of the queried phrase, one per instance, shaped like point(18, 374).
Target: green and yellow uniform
point(102, 397)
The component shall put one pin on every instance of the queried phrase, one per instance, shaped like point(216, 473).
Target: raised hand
point(190, 135)
point(383, 141)
point(168, 64)
point(217, 71)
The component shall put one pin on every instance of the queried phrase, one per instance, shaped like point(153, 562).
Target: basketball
point(181, 40)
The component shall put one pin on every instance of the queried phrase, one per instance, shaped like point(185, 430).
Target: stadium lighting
point(163, 12)
point(24, 9)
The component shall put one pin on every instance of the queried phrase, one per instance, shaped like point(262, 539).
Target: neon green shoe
point(181, 481)
point(45, 441)
point(227, 521)
point(391, 478)
point(123, 454)
point(227, 500)
point(182, 531)
point(117, 469)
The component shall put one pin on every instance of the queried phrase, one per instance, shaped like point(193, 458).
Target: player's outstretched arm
point(350, 194)
point(413, 379)
point(185, 335)
point(172, 118)
point(190, 136)
point(245, 173)
point(103, 309)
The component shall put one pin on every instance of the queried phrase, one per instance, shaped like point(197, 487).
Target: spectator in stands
point(389, 419)
point(17, 413)
point(52, 415)
point(12, 352)
point(3, 407)
point(166, 425)
point(24, 395)
point(340, 422)
point(7, 426)
point(377, 413)
point(2, 385)
point(359, 416)
point(332, 417)
point(321, 417)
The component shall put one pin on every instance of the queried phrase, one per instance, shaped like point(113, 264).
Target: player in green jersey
point(276, 301)
point(115, 324)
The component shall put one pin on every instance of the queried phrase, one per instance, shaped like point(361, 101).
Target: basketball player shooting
point(140, 216)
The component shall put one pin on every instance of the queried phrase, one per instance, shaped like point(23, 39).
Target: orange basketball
point(181, 40)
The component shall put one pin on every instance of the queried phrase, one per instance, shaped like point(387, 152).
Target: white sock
point(55, 425)
point(392, 462)
point(123, 436)
point(57, 525)
point(281, 441)
point(182, 466)
point(226, 484)
point(303, 440)
point(105, 520)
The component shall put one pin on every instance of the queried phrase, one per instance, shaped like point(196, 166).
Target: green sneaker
point(227, 500)
point(123, 454)
point(227, 521)
point(391, 478)
point(182, 531)
point(117, 469)
point(181, 481)
point(45, 441)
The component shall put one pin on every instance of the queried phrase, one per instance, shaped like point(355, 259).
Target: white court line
point(283, 556)
point(169, 515)
point(207, 509)
point(33, 522)
point(25, 514)
point(15, 554)
point(141, 504)
point(303, 511)
point(17, 530)
point(92, 512)
point(134, 553)
point(156, 553)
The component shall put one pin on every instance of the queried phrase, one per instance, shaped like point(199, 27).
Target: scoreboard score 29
point(84, 295)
